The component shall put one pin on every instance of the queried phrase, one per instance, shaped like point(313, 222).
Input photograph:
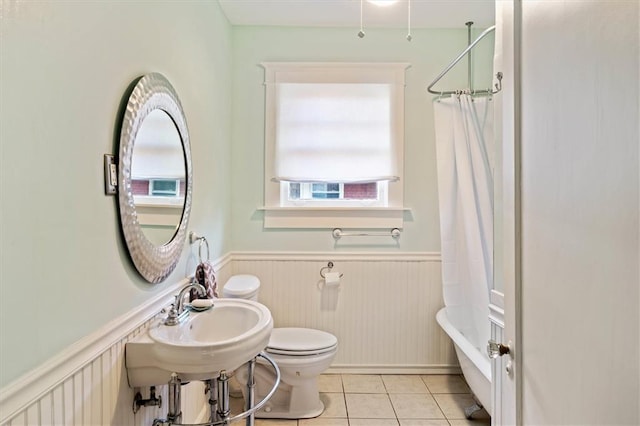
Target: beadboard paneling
point(383, 315)
point(383, 312)
point(96, 394)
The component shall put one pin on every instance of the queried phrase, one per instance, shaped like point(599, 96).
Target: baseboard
point(394, 369)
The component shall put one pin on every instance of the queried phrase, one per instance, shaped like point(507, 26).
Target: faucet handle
point(172, 316)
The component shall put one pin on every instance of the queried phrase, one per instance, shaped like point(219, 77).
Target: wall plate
point(110, 175)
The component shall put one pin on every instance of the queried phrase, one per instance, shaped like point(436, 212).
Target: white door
point(579, 251)
point(568, 228)
point(504, 305)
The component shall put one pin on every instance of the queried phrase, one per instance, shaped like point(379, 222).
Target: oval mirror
point(155, 177)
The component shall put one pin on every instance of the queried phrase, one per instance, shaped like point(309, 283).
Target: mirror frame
point(155, 263)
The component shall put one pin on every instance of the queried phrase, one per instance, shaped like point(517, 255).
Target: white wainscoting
point(383, 315)
point(96, 394)
point(86, 385)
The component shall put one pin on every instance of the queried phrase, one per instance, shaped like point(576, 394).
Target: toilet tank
point(242, 287)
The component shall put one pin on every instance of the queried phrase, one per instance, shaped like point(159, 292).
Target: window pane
point(294, 191)
point(333, 187)
point(323, 191)
point(361, 191)
point(140, 187)
point(164, 187)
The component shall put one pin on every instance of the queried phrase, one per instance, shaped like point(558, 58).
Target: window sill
point(157, 201)
point(334, 217)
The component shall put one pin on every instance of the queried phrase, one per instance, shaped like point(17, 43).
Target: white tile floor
point(390, 400)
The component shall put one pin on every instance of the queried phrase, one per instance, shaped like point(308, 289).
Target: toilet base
point(279, 414)
point(288, 402)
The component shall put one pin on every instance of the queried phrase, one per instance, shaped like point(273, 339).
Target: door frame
point(505, 307)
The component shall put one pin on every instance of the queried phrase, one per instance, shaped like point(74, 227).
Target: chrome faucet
point(177, 312)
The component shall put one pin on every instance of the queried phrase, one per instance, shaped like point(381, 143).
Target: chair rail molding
point(344, 256)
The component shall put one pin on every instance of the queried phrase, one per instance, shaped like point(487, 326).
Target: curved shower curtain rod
point(466, 51)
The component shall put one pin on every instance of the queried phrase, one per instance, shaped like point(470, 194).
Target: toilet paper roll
point(332, 279)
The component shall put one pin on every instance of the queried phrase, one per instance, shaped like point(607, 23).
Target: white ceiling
point(346, 13)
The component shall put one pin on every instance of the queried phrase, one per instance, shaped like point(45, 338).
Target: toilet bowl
point(302, 354)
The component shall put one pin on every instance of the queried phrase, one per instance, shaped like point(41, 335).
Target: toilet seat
point(292, 341)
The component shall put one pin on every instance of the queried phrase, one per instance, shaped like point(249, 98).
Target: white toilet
point(302, 354)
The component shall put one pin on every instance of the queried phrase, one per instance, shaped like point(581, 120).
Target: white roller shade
point(334, 132)
point(335, 122)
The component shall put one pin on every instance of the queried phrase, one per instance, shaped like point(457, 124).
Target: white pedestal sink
point(223, 337)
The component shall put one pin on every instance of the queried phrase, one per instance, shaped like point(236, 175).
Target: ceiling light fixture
point(385, 3)
point(382, 3)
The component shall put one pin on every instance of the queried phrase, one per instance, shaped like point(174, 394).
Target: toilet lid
point(241, 286)
point(300, 341)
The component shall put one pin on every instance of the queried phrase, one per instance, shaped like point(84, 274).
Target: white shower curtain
point(465, 158)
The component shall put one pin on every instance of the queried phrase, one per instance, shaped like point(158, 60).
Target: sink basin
point(224, 337)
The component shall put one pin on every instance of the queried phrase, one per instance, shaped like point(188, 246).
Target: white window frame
point(279, 213)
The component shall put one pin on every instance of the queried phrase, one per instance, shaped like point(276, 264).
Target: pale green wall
point(65, 65)
point(429, 52)
point(64, 271)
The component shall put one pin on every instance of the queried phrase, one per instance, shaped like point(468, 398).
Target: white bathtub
point(475, 363)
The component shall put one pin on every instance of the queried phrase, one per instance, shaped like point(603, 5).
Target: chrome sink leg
point(174, 415)
point(212, 388)
point(221, 387)
point(223, 397)
point(251, 384)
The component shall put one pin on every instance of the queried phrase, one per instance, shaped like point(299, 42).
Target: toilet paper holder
point(327, 268)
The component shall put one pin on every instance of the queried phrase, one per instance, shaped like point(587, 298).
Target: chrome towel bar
point(337, 234)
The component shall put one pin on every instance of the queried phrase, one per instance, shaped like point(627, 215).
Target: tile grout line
point(344, 398)
point(390, 401)
point(387, 390)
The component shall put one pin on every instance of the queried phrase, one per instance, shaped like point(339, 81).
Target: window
point(158, 187)
point(346, 194)
point(164, 187)
point(334, 143)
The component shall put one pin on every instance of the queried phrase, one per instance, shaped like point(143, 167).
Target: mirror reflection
point(158, 175)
